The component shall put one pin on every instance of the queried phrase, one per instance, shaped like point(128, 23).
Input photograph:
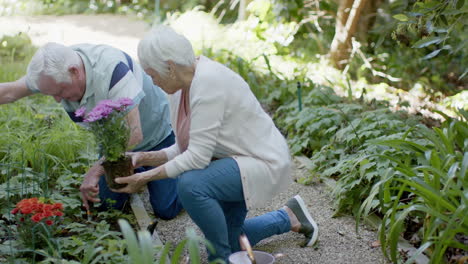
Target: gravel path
point(338, 241)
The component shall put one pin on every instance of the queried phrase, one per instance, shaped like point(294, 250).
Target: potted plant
point(107, 123)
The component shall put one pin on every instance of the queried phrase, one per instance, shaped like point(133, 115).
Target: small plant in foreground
point(37, 220)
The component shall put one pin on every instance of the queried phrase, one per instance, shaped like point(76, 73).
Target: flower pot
point(241, 257)
point(115, 169)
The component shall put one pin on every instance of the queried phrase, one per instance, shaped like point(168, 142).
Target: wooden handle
point(244, 241)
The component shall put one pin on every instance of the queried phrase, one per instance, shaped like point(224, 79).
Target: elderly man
point(84, 74)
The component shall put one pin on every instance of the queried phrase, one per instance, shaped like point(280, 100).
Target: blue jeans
point(214, 199)
point(163, 193)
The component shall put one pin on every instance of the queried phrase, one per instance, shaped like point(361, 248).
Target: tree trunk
point(241, 13)
point(346, 24)
point(367, 19)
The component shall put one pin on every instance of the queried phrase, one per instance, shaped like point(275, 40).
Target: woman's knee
point(186, 185)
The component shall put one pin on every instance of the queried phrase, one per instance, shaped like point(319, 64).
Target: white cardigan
point(228, 121)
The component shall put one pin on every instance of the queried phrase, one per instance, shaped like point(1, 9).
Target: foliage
point(142, 250)
point(425, 187)
point(432, 50)
point(14, 52)
point(108, 124)
point(305, 23)
point(431, 23)
point(386, 163)
point(336, 132)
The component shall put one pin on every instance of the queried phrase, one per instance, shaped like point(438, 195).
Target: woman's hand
point(135, 183)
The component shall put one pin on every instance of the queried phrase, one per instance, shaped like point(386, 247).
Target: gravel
point(338, 240)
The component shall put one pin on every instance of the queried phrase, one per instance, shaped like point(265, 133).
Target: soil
point(116, 169)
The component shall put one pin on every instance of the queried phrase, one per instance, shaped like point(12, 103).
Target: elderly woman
point(229, 156)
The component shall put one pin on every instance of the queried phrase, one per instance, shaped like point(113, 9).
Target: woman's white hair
point(52, 60)
point(162, 44)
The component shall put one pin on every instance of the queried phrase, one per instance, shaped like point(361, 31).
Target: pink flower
point(102, 110)
point(92, 117)
point(80, 112)
point(125, 101)
point(110, 104)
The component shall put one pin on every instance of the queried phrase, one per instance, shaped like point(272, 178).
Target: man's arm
point(12, 91)
point(90, 188)
point(133, 121)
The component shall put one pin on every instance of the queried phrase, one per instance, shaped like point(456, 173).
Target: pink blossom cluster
point(103, 109)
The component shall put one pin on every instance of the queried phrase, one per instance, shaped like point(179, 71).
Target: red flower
point(58, 213)
point(47, 207)
point(58, 206)
point(36, 218)
point(49, 222)
point(15, 210)
point(47, 214)
point(26, 210)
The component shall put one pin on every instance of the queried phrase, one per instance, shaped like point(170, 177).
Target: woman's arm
point(149, 158)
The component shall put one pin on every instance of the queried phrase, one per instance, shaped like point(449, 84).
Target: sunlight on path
point(118, 31)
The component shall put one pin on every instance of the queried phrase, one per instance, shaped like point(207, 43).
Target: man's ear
point(74, 71)
point(172, 69)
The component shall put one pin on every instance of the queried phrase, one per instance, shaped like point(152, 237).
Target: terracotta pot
point(115, 169)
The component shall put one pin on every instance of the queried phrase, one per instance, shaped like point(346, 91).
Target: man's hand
point(90, 186)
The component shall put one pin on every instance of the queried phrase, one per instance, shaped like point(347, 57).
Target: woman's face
point(167, 84)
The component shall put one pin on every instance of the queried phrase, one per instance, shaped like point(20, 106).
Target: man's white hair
point(162, 44)
point(52, 60)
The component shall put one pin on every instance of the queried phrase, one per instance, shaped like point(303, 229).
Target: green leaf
point(432, 54)
point(428, 41)
point(401, 17)
point(193, 246)
point(146, 246)
point(177, 255)
point(165, 253)
point(430, 194)
point(132, 243)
